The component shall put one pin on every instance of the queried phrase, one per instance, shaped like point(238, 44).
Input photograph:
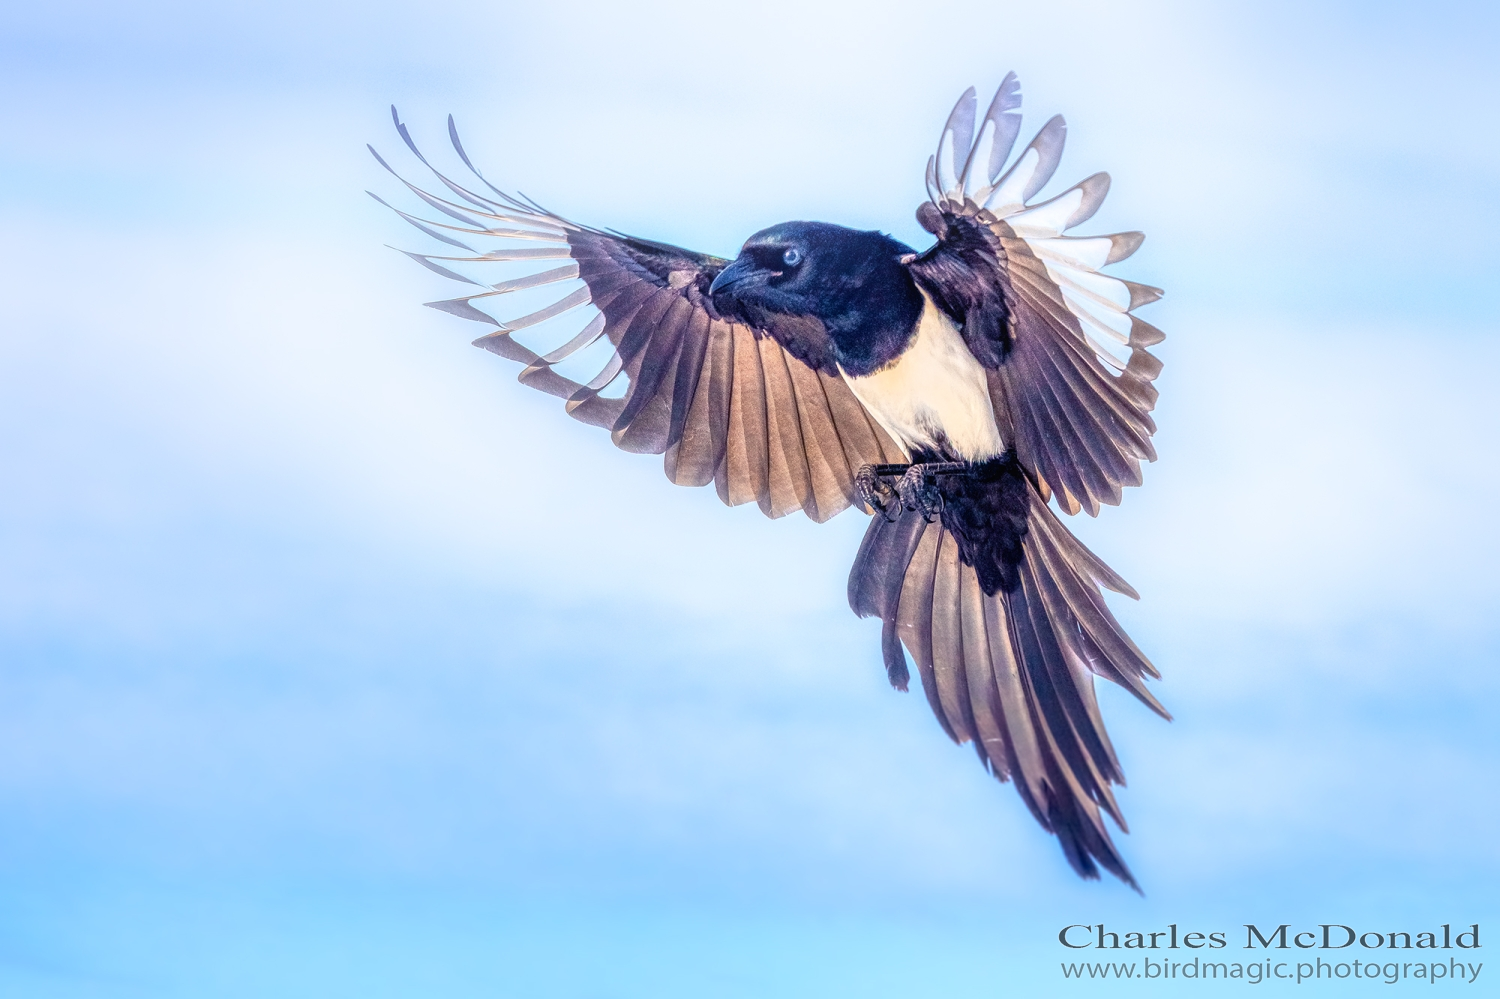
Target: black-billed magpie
point(954, 394)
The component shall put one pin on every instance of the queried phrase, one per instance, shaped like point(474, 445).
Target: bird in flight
point(954, 394)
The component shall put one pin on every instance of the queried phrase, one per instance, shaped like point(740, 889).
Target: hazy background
point(334, 663)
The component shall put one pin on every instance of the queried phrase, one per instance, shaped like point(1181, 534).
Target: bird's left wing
point(765, 418)
point(1069, 370)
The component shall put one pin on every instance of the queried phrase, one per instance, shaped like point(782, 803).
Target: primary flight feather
point(954, 394)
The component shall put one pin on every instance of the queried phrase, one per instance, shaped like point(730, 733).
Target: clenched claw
point(874, 492)
point(915, 488)
point(919, 492)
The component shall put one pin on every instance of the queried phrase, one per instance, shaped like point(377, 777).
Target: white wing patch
point(1049, 218)
point(1006, 197)
point(1099, 302)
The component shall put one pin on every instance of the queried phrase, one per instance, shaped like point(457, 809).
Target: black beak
point(730, 276)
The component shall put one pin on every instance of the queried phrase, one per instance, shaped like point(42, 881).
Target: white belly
point(934, 396)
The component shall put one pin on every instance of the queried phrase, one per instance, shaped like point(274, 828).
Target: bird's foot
point(918, 487)
point(875, 492)
point(919, 493)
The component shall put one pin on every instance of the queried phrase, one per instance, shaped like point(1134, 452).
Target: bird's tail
point(1000, 608)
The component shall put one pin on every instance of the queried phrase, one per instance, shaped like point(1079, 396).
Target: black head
point(796, 276)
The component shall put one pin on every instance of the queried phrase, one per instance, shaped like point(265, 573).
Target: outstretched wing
point(764, 420)
point(1070, 376)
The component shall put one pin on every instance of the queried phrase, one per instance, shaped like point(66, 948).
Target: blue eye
point(792, 257)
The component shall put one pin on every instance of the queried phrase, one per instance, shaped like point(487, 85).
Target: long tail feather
point(1010, 665)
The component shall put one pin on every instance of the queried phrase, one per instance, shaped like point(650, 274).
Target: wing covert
point(766, 422)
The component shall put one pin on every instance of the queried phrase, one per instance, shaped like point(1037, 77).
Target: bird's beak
point(730, 276)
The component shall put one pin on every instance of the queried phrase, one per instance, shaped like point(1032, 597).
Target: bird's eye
point(792, 257)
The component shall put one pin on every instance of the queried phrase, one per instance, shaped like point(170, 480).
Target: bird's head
point(850, 281)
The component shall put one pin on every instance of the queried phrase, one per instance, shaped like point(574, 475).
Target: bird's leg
point(877, 494)
point(918, 487)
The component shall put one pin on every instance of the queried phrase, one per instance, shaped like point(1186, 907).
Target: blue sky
point(334, 663)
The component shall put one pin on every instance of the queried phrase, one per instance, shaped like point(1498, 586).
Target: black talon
point(874, 492)
point(914, 490)
point(918, 487)
point(919, 494)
